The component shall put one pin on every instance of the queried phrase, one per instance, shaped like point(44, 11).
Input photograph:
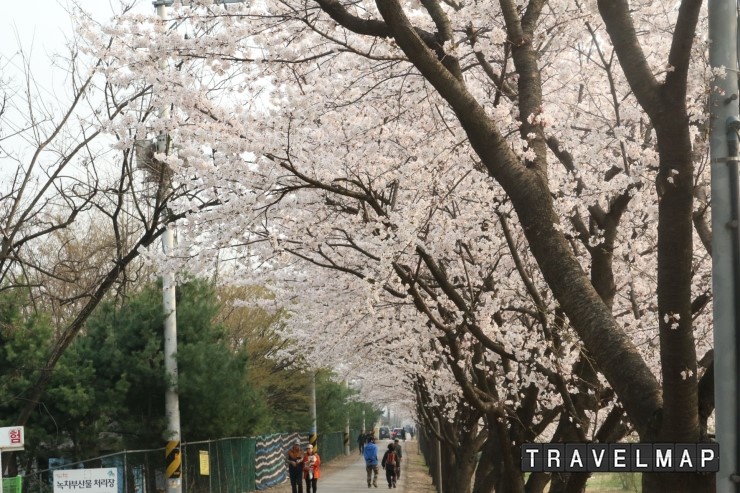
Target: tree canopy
point(502, 192)
point(501, 204)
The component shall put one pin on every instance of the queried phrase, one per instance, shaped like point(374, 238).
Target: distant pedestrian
point(399, 455)
point(390, 463)
point(361, 442)
point(371, 462)
point(294, 457)
point(311, 468)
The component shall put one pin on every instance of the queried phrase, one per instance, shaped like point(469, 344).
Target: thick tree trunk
point(576, 482)
point(462, 439)
point(463, 459)
point(463, 474)
point(665, 103)
point(498, 468)
point(490, 465)
point(457, 472)
point(537, 482)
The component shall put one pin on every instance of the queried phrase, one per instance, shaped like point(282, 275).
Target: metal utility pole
point(725, 262)
point(346, 425)
point(173, 471)
point(172, 402)
point(313, 439)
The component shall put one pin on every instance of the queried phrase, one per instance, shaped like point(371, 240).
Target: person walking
point(294, 457)
point(361, 442)
point(399, 456)
point(311, 468)
point(389, 463)
point(371, 462)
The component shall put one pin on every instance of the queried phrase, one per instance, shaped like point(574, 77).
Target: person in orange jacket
point(311, 468)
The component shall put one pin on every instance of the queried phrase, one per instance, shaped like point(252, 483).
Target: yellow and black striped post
point(173, 460)
point(313, 439)
point(346, 443)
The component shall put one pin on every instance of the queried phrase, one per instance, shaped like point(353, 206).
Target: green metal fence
point(226, 465)
point(229, 464)
point(331, 445)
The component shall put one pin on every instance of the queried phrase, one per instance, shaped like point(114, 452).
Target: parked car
point(384, 432)
point(399, 433)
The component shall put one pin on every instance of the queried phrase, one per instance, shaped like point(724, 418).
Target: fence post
point(439, 465)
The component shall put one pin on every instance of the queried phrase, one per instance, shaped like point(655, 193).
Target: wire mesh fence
point(227, 465)
point(331, 446)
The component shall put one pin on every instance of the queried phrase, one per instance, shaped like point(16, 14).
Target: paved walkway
point(347, 474)
point(353, 478)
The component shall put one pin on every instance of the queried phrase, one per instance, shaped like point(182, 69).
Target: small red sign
point(16, 435)
point(11, 438)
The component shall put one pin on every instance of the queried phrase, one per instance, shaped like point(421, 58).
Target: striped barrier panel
point(269, 454)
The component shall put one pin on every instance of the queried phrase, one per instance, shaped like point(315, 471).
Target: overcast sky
point(41, 26)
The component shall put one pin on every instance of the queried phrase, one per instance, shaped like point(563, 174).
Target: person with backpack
point(371, 461)
point(389, 463)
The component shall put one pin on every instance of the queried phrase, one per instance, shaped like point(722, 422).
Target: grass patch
point(611, 482)
point(614, 482)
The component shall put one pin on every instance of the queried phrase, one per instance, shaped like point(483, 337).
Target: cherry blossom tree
point(502, 192)
point(76, 210)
